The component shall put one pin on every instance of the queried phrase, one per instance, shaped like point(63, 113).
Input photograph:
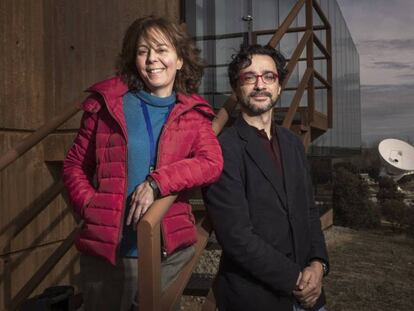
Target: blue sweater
point(139, 153)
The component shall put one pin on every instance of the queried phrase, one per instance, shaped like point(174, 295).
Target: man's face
point(258, 97)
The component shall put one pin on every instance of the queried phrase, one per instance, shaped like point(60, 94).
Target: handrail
point(322, 15)
point(286, 23)
point(329, 77)
point(148, 236)
point(43, 271)
point(17, 225)
point(287, 122)
point(149, 281)
point(310, 64)
point(149, 226)
point(172, 295)
point(305, 41)
point(150, 296)
point(27, 143)
point(289, 30)
point(295, 56)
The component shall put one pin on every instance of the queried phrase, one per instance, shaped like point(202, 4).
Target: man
point(262, 208)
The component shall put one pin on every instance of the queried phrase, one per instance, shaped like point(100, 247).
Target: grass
point(370, 270)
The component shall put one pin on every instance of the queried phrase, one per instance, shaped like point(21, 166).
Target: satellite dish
point(397, 157)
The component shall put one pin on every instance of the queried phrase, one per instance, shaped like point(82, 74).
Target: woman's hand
point(141, 200)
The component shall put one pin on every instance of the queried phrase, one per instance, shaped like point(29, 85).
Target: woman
point(144, 134)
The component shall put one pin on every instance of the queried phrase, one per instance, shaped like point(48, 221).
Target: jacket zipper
point(121, 227)
point(162, 231)
point(164, 128)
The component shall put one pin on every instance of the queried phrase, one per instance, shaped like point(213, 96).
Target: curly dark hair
point(243, 59)
point(187, 79)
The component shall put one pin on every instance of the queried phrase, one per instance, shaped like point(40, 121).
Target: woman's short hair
point(243, 59)
point(187, 79)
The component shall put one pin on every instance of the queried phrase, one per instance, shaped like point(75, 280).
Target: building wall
point(222, 18)
point(345, 137)
point(51, 51)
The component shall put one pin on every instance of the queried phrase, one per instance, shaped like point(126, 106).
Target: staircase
point(306, 121)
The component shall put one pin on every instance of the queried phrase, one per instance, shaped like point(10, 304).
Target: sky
point(383, 32)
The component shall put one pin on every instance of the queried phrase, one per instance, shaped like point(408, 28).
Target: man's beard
point(255, 110)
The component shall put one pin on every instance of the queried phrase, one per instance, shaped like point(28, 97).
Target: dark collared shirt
point(272, 147)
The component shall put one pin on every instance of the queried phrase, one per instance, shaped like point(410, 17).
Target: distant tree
point(372, 163)
point(396, 212)
point(393, 207)
point(410, 220)
point(348, 166)
point(351, 204)
point(388, 190)
point(368, 161)
point(321, 171)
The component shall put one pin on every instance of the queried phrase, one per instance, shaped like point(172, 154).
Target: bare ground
point(370, 270)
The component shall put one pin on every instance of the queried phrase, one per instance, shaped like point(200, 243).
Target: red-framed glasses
point(269, 77)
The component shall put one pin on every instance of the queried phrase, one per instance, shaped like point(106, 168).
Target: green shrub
point(348, 166)
point(410, 220)
point(388, 190)
point(396, 212)
point(321, 171)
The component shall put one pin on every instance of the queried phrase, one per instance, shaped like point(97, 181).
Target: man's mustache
point(260, 93)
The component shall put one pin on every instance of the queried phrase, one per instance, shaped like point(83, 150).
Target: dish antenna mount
point(397, 157)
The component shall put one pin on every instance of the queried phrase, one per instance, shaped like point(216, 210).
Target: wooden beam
point(327, 219)
point(149, 263)
point(306, 139)
point(309, 61)
point(329, 77)
point(27, 143)
point(289, 30)
point(321, 47)
point(320, 121)
point(322, 15)
point(44, 270)
point(30, 212)
point(220, 37)
point(286, 24)
point(321, 79)
point(287, 122)
point(172, 295)
point(301, 59)
point(295, 56)
point(210, 302)
point(319, 87)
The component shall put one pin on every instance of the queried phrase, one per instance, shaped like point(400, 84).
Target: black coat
point(268, 234)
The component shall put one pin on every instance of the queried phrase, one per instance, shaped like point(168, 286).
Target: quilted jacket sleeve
point(203, 167)
point(79, 165)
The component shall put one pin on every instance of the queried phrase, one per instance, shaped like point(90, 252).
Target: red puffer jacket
point(95, 169)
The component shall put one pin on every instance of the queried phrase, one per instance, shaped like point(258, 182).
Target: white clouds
point(383, 33)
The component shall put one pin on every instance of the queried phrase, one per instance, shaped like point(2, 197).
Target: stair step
point(212, 243)
point(213, 246)
point(199, 284)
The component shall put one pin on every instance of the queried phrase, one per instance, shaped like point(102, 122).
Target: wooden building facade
point(51, 50)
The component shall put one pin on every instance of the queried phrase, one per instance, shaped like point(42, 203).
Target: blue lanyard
point(151, 133)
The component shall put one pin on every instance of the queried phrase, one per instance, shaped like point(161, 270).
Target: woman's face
point(157, 63)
